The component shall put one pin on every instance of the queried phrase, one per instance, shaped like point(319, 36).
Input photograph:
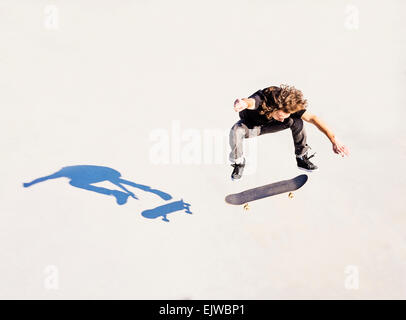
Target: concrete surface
point(136, 85)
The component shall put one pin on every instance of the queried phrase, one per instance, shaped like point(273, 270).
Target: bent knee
point(76, 183)
point(239, 128)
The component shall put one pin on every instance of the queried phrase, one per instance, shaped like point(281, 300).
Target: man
point(274, 109)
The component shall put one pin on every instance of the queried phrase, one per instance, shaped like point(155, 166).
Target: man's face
point(279, 115)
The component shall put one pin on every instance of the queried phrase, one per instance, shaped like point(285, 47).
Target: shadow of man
point(82, 176)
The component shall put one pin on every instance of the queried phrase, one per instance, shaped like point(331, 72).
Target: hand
point(240, 105)
point(339, 148)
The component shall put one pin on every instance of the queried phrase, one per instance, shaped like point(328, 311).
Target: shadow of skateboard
point(267, 190)
point(164, 210)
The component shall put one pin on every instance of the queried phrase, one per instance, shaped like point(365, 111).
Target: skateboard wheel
point(246, 207)
point(291, 195)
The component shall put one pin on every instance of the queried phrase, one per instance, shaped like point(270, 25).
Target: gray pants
point(240, 131)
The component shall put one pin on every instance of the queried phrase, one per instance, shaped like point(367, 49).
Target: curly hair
point(285, 98)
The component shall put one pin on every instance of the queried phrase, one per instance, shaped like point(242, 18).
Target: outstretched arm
point(338, 147)
point(52, 176)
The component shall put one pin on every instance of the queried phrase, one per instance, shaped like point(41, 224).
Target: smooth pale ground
point(91, 93)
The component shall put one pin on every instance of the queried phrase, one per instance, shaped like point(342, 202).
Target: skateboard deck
point(267, 190)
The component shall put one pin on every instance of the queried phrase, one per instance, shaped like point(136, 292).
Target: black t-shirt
point(253, 118)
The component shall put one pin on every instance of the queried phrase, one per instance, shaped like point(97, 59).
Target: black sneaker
point(238, 170)
point(305, 164)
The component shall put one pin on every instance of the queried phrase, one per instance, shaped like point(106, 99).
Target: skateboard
point(267, 191)
point(166, 209)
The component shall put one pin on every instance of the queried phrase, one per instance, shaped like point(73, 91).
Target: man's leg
point(238, 133)
point(298, 133)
